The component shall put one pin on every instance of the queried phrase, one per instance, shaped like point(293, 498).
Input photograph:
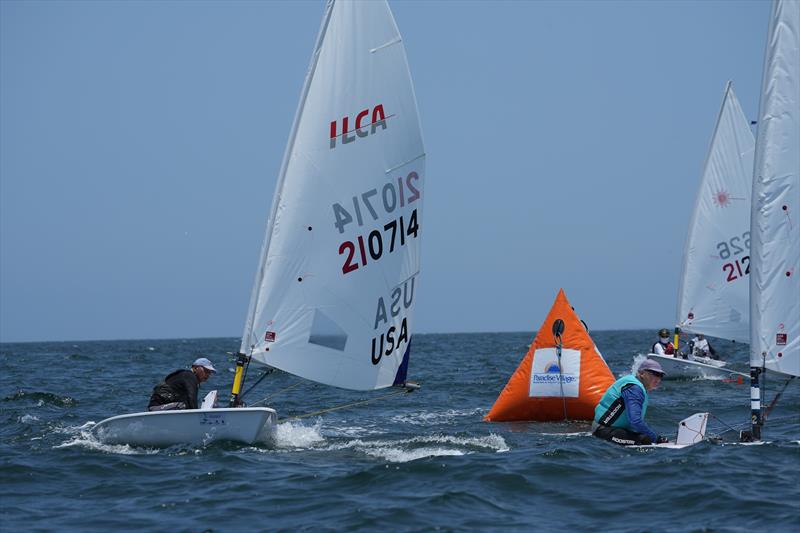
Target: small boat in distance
point(679, 368)
point(334, 293)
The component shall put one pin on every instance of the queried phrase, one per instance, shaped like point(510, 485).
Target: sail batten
point(420, 156)
point(398, 40)
point(775, 218)
point(334, 296)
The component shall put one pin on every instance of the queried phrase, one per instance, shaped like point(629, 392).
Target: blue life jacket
point(611, 409)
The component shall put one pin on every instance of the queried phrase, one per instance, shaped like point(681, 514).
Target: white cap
point(205, 363)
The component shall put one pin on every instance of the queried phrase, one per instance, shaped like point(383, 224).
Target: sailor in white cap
point(179, 389)
point(619, 417)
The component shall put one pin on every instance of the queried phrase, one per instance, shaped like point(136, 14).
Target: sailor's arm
point(634, 398)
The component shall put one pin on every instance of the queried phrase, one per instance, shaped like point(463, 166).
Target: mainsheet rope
point(730, 427)
point(739, 427)
point(295, 384)
point(777, 397)
point(345, 406)
point(266, 373)
point(322, 411)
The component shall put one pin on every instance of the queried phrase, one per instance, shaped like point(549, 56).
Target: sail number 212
point(736, 268)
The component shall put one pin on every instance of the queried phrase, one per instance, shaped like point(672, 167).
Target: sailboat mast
point(755, 404)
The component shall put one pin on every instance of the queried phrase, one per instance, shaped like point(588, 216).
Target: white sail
point(335, 291)
point(714, 292)
point(775, 220)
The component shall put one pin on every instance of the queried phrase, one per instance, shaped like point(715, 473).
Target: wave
point(426, 418)
point(83, 437)
point(42, 398)
point(637, 361)
point(296, 435)
point(405, 450)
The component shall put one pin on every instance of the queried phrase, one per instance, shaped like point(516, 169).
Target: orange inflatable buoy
point(544, 386)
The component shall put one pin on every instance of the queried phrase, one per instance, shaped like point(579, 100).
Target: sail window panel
point(325, 332)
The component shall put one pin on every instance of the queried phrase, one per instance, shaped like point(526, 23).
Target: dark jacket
point(180, 386)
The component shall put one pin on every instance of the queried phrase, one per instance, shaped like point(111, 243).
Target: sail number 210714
point(372, 247)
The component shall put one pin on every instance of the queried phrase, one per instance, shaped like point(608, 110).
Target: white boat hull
point(677, 368)
point(192, 426)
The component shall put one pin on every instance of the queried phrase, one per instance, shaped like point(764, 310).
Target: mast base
point(750, 435)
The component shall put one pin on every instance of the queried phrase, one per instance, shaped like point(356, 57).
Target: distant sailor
point(663, 346)
point(179, 389)
point(619, 417)
point(700, 347)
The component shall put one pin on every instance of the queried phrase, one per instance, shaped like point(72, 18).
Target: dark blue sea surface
point(410, 462)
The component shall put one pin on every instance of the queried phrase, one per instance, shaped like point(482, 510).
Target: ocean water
point(410, 462)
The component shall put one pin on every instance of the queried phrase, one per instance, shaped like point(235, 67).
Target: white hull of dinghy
point(191, 426)
point(677, 368)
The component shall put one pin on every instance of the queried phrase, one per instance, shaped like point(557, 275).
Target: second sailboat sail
point(714, 292)
point(335, 291)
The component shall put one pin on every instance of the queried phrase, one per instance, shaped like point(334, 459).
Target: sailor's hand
point(661, 439)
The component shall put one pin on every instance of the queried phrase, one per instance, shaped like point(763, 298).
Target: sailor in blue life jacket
point(663, 346)
point(619, 417)
point(179, 389)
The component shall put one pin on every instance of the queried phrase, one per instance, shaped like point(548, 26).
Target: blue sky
point(140, 144)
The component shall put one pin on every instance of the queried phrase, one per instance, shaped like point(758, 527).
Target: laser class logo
point(377, 119)
point(723, 198)
point(548, 380)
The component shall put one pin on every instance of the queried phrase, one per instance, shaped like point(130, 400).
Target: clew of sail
point(775, 218)
point(335, 291)
point(713, 298)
